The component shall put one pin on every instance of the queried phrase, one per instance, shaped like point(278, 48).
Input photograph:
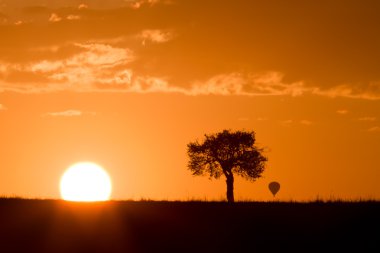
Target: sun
point(87, 182)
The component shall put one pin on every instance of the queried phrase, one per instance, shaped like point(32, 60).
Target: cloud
point(54, 18)
point(101, 55)
point(270, 83)
point(374, 129)
point(94, 64)
point(287, 123)
point(83, 6)
point(139, 3)
point(212, 48)
point(367, 119)
point(68, 113)
point(290, 122)
point(73, 17)
point(156, 36)
point(202, 58)
point(101, 67)
point(147, 84)
point(96, 67)
point(261, 119)
point(371, 91)
point(342, 111)
point(306, 122)
point(2, 107)
point(46, 66)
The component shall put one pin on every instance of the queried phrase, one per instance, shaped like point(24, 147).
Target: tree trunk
point(230, 187)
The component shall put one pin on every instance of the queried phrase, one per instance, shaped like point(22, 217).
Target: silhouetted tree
point(227, 153)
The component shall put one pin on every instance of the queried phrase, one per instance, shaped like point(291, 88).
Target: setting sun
point(85, 182)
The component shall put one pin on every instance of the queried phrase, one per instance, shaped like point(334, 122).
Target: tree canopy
point(227, 153)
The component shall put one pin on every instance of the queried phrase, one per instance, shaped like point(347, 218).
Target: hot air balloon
point(274, 187)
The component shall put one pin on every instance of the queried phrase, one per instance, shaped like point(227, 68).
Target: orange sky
point(127, 84)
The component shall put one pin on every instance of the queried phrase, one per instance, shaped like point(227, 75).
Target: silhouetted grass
point(188, 226)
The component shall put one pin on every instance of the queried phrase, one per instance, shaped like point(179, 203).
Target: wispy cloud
point(95, 64)
point(82, 6)
point(2, 107)
point(97, 67)
point(209, 67)
point(270, 83)
point(371, 91)
point(155, 36)
point(261, 119)
point(287, 123)
point(367, 119)
point(101, 55)
point(68, 113)
point(306, 122)
point(374, 129)
point(73, 17)
point(290, 122)
point(342, 111)
point(146, 84)
point(101, 67)
point(54, 17)
point(139, 3)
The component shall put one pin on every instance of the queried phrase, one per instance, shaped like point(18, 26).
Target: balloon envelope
point(274, 187)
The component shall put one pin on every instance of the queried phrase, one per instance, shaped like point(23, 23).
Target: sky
point(128, 84)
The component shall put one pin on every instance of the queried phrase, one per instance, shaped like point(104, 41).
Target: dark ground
point(148, 226)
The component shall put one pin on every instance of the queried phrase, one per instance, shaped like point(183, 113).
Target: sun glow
point(85, 182)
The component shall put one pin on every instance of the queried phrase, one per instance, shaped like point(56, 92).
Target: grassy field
point(149, 226)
